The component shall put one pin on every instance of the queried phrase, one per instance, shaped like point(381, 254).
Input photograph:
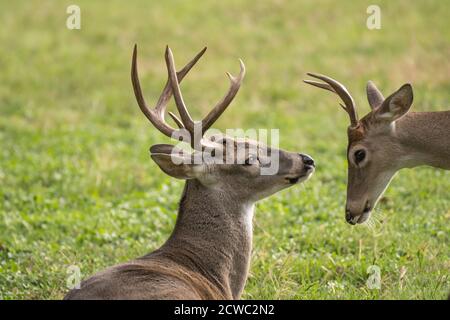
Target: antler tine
point(156, 115)
point(320, 85)
point(216, 112)
point(181, 106)
point(176, 120)
point(167, 92)
point(151, 115)
point(341, 91)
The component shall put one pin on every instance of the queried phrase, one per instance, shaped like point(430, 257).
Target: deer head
point(373, 146)
point(223, 163)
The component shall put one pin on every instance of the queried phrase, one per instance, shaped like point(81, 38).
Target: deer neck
point(425, 139)
point(213, 236)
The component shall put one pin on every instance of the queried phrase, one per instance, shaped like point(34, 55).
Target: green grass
point(77, 186)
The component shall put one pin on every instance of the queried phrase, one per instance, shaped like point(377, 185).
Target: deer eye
point(360, 155)
point(252, 159)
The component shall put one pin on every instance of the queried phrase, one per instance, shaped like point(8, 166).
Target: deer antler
point(213, 115)
point(156, 115)
point(339, 89)
point(196, 129)
point(216, 112)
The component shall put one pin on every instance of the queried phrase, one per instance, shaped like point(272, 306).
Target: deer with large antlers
point(386, 140)
point(207, 255)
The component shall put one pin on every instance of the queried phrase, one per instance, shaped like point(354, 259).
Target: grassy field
point(77, 186)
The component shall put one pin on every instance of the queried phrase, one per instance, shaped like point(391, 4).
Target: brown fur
point(386, 140)
point(415, 139)
point(208, 253)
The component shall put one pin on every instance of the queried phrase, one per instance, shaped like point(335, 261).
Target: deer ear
point(374, 96)
point(173, 161)
point(396, 105)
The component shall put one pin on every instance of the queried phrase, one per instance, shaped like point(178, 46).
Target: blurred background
point(77, 185)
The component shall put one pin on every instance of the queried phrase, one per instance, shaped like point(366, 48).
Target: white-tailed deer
point(386, 140)
point(207, 255)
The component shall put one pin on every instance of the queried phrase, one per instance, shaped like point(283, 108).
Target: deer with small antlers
point(207, 255)
point(386, 140)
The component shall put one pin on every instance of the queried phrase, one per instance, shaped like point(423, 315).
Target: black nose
point(307, 160)
point(349, 217)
